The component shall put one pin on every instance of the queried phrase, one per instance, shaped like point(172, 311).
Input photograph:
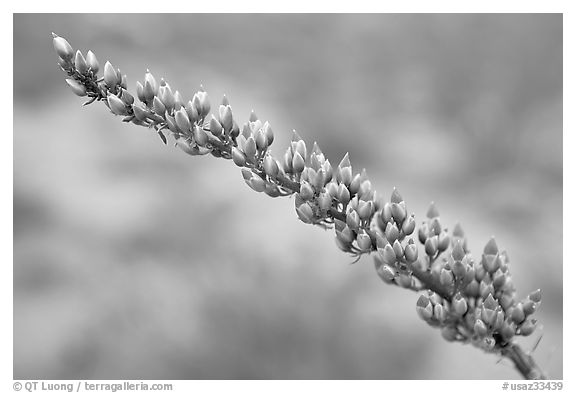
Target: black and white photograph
point(288, 196)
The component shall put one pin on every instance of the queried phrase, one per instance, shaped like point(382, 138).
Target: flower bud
point(480, 328)
point(506, 301)
point(365, 209)
point(411, 253)
point(123, 80)
point(386, 273)
point(80, 63)
point(398, 250)
point(388, 254)
point(398, 212)
point(431, 246)
point(148, 92)
point(191, 111)
point(386, 214)
point(225, 113)
point(516, 314)
point(257, 184)
point(76, 87)
point(270, 166)
point(446, 277)
point(267, 129)
point(472, 289)
point(110, 76)
point(149, 78)
point(332, 189)
point(435, 227)
point(198, 104)
point(318, 178)
point(127, 98)
point(346, 234)
point(423, 233)
point(490, 303)
point(216, 130)
point(480, 273)
point(507, 331)
point(92, 62)
point(139, 113)
point(458, 252)
point(409, 225)
point(443, 241)
point(355, 184)
point(460, 305)
point(343, 195)
point(345, 246)
point(158, 106)
point(486, 289)
point(424, 308)
point(167, 97)
point(365, 193)
point(528, 327)
point(140, 92)
point(301, 149)
point(298, 163)
point(536, 296)
point(458, 231)
point(353, 220)
point(306, 191)
point(491, 247)
point(171, 123)
point(364, 242)
point(178, 100)
point(324, 201)
point(182, 121)
point(432, 211)
point(459, 269)
point(392, 233)
point(490, 262)
point(439, 312)
point(450, 333)
point(117, 106)
point(498, 279)
point(272, 190)
point(528, 306)
point(62, 47)
point(199, 136)
point(344, 171)
point(305, 213)
point(238, 157)
point(396, 197)
point(185, 146)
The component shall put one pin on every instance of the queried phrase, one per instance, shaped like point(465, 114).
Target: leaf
point(163, 137)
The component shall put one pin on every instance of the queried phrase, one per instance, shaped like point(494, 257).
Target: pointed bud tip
point(458, 251)
point(396, 197)
point(432, 211)
point(345, 161)
point(491, 247)
point(458, 231)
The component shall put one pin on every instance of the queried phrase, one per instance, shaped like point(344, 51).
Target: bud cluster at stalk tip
point(478, 299)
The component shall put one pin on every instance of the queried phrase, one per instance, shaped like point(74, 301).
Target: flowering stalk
point(469, 301)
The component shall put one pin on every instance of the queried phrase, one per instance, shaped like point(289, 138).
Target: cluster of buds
point(356, 199)
point(469, 301)
point(478, 302)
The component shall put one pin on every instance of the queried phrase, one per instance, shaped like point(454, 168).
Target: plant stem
point(523, 362)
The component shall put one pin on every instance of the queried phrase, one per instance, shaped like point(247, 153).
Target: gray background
point(134, 260)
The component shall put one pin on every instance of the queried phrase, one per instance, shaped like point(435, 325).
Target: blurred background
point(135, 260)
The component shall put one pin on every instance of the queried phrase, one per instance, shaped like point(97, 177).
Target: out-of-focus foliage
point(133, 260)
